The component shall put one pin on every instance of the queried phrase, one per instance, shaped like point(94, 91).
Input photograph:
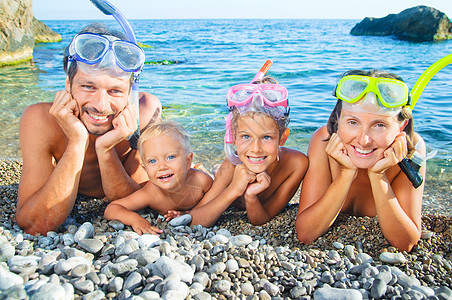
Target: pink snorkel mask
point(271, 99)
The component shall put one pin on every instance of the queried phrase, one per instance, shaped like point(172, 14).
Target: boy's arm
point(221, 195)
point(121, 179)
point(124, 210)
point(260, 213)
point(47, 191)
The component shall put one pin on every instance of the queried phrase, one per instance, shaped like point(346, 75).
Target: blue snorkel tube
point(108, 9)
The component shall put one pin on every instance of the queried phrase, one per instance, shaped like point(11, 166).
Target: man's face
point(100, 99)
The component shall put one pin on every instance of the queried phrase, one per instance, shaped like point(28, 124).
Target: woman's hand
point(336, 150)
point(392, 156)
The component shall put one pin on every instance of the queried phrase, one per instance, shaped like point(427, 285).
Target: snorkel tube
point(228, 138)
point(411, 166)
point(425, 77)
point(108, 9)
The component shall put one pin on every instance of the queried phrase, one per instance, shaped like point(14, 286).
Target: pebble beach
point(91, 258)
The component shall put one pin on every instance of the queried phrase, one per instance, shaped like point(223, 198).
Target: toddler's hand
point(171, 214)
point(142, 226)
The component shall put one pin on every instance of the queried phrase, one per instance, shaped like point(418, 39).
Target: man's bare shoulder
point(150, 109)
point(38, 119)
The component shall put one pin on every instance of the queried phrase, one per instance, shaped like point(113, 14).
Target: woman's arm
point(322, 196)
point(398, 203)
point(261, 212)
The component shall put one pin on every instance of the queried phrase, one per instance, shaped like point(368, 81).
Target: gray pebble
point(392, 258)
point(6, 251)
point(115, 285)
point(133, 281)
point(181, 220)
point(329, 293)
point(241, 240)
point(85, 231)
point(378, 289)
point(223, 286)
point(91, 245)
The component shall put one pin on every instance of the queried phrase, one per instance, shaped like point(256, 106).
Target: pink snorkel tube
point(228, 138)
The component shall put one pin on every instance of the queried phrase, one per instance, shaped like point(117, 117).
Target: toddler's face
point(166, 162)
point(257, 140)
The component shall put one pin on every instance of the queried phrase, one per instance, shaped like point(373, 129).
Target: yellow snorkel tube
point(425, 77)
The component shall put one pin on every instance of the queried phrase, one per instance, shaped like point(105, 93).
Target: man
point(78, 143)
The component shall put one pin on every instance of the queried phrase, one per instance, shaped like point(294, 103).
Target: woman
point(353, 161)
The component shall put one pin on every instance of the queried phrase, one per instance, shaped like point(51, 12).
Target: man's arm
point(47, 192)
point(121, 179)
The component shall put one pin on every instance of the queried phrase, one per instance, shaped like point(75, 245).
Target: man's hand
point(66, 112)
point(393, 155)
point(124, 124)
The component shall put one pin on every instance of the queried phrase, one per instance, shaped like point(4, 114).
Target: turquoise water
point(308, 56)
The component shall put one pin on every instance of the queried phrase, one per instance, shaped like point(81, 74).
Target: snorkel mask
point(376, 95)
point(271, 99)
point(106, 54)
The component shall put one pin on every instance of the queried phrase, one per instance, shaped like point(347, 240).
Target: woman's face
point(366, 136)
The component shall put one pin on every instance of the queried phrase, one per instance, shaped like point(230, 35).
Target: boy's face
point(166, 162)
point(257, 140)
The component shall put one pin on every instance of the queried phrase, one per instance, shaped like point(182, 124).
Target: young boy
point(173, 184)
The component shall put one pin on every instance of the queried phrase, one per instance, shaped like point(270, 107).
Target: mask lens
point(242, 94)
point(393, 94)
point(90, 47)
point(129, 56)
point(273, 95)
point(351, 89)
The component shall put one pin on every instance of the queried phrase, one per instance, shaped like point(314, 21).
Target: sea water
point(308, 57)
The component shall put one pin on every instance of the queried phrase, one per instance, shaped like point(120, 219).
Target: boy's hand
point(242, 177)
point(393, 155)
point(171, 214)
point(140, 225)
point(262, 182)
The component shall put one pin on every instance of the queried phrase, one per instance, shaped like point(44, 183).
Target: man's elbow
point(35, 228)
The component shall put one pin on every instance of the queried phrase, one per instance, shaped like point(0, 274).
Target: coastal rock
point(19, 30)
point(416, 24)
point(42, 33)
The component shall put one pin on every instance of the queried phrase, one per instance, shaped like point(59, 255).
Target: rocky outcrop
point(17, 31)
point(42, 33)
point(416, 24)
